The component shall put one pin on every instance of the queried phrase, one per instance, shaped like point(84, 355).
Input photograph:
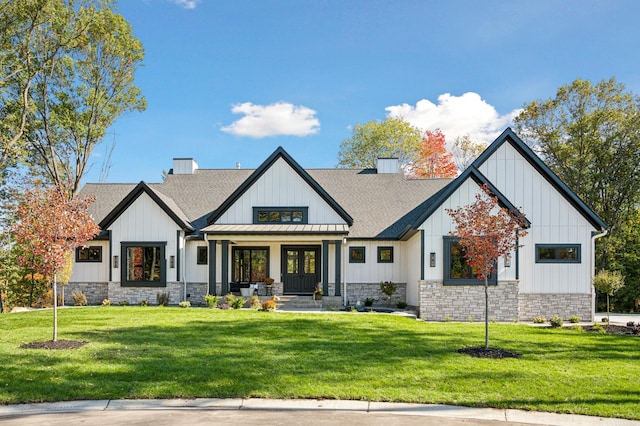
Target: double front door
point(300, 269)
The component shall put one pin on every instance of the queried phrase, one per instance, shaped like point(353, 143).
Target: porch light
point(507, 262)
point(172, 261)
point(115, 262)
point(432, 259)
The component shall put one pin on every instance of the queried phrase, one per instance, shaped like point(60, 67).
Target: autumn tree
point(50, 226)
point(391, 138)
point(486, 232)
point(433, 160)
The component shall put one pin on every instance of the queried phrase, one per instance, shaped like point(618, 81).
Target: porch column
point(212, 267)
point(325, 267)
point(225, 266)
point(338, 279)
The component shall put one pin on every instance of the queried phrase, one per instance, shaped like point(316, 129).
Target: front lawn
point(152, 352)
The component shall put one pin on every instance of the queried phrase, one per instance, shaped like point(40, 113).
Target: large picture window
point(456, 269)
point(144, 265)
point(89, 254)
point(558, 253)
point(250, 264)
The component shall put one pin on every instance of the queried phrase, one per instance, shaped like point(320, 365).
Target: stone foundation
point(547, 305)
point(467, 302)
point(358, 292)
point(94, 292)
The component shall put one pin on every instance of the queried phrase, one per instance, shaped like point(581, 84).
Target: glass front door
point(301, 269)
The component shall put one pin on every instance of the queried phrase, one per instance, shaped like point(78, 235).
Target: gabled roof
point(406, 226)
point(508, 136)
point(277, 154)
point(164, 202)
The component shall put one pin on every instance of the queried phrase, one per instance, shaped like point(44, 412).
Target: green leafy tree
point(486, 232)
point(48, 225)
point(608, 282)
point(465, 150)
point(391, 138)
point(589, 135)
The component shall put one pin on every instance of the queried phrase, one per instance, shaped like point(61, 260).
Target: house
point(214, 231)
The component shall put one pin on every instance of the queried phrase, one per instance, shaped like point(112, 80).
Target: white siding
point(371, 271)
point(440, 224)
point(412, 268)
point(193, 272)
point(145, 221)
point(280, 186)
point(87, 272)
point(553, 219)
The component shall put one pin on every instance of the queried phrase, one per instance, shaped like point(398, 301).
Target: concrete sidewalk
point(274, 411)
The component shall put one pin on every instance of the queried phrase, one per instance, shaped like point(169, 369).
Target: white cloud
point(277, 119)
point(456, 116)
point(187, 4)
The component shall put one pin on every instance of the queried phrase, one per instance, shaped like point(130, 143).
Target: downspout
point(184, 267)
point(344, 271)
point(594, 237)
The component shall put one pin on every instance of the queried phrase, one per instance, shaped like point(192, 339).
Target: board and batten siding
point(371, 271)
point(144, 221)
point(440, 224)
point(412, 262)
point(553, 221)
point(92, 271)
point(280, 186)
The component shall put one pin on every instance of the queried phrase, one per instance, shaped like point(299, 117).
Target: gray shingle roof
point(378, 203)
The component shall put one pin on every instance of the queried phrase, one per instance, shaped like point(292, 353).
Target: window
point(558, 253)
point(385, 254)
point(89, 254)
point(250, 264)
point(144, 265)
point(456, 269)
point(356, 255)
point(280, 215)
point(202, 256)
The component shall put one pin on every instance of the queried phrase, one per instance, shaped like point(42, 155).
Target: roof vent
point(184, 166)
point(387, 165)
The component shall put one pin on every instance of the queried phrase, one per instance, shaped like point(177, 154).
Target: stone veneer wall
point(463, 302)
point(196, 293)
point(361, 291)
point(564, 305)
point(134, 295)
point(94, 292)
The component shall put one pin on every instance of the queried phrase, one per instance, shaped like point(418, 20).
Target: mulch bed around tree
point(58, 344)
point(482, 352)
point(615, 329)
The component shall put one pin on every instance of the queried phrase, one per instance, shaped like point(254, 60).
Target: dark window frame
point(88, 259)
point(558, 257)
point(271, 213)
point(199, 256)
point(382, 249)
point(124, 282)
point(359, 259)
point(446, 259)
point(250, 248)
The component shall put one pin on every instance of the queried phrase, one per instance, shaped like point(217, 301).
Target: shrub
point(254, 302)
point(123, 303)
point(539, 320)
point(574, 319)
point(185, 304)
point(600, 329)
point(211, 300)
point(238, 302)
point(577, 328)
point(223, 306)
point(79, 299)
point(269, 305)
point(556, 321)
point(162, 299)
point(605, 319)
point(401, 305)
point(144, 302)
point(229, 298)
point(631, 324)
point(369, 301)
point(106, 302)
point(447, 318)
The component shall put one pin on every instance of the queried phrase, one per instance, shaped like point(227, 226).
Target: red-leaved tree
point(48, 225)
point(486, 232)
point(433, 160)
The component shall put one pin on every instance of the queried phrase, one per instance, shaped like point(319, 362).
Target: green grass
point(152, 352)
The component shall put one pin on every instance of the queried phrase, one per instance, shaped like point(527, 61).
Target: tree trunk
point(486, 312)
point(55, 308)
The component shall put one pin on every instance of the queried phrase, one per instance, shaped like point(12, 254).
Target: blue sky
point(230, 81)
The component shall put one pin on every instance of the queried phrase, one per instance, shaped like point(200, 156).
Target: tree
point(465, 151)
point(50, 226)
point(608, 282)
point(69, 68)
point(589, 135)
point(433, 160)
point(393, 137)
point(486, 232)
